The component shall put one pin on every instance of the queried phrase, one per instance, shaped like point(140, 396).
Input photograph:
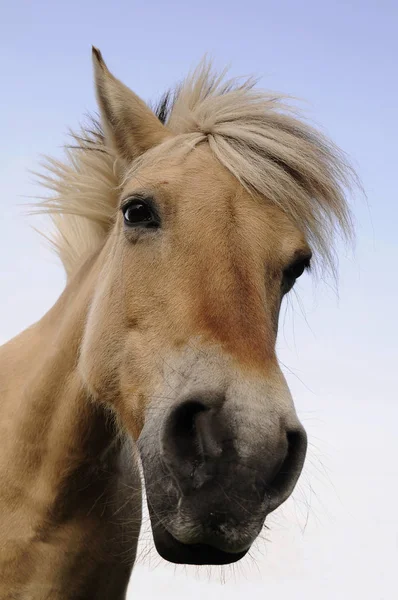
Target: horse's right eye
point(139, 212)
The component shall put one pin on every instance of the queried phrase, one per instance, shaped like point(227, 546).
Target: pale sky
point(337, 538)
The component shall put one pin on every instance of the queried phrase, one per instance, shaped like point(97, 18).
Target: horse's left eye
point(293, 272)
point(140, 213)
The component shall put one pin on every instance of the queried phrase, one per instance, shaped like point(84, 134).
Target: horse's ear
point(129, 124)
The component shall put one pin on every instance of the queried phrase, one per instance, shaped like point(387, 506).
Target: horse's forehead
point(194, 174)
point(197, 184)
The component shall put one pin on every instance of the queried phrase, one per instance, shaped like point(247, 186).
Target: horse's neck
point(59, 452)
point(45, 413)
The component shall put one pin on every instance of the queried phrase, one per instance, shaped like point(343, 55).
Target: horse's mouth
point(176, 552)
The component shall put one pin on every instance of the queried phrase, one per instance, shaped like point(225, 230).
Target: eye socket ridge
point(140, 211)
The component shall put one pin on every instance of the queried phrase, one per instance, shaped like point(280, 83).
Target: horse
point(181, 229)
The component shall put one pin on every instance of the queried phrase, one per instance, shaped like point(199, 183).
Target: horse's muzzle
point(211, 487)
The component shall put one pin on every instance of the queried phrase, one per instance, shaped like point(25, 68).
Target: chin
point(179, 553)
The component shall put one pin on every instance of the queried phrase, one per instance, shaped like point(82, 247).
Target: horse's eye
point(138, 212)
point(293, 272)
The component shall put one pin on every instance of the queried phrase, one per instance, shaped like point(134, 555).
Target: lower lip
point(174, 551)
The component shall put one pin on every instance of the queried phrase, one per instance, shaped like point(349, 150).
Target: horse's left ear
point(129, 124)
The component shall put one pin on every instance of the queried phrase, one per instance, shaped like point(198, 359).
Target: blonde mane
point(254, 134)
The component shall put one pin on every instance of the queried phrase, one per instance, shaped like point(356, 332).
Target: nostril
point(192, 436)
point(180, 435)
point(286, 478)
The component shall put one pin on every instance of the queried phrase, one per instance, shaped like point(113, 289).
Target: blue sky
point(340, 351)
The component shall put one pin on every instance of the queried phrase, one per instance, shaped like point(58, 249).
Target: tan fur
point(58, 525)
point(256, 135)
point(243, 188)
